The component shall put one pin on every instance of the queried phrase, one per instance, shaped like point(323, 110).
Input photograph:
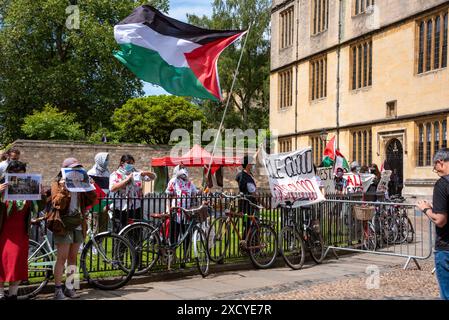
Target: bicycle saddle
point(162, 216)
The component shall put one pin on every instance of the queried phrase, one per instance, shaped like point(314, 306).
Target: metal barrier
point(390, 229)
point(383, 228)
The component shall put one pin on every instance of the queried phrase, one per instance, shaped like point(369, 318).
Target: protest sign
point(22, 186)
point(327, 177)
point(358, 182)
point(291, 178)
point(384, 179)
point(76, 180)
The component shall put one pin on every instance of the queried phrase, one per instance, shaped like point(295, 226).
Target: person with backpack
point(71, 207)
point(15, 229)
point(438, 213)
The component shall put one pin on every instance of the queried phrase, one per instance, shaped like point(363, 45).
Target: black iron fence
point(338, 224)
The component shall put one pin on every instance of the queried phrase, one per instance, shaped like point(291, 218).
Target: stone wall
point(46, 157)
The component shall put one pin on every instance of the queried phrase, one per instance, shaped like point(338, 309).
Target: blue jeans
point(442, 271)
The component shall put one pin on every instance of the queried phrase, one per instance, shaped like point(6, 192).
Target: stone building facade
point(371, 72)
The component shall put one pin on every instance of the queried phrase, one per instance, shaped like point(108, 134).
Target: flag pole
point(227, 103)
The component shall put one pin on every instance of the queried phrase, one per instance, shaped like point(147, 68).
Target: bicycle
point(296, 236)
point(150, 240)
point(259, 239)
point(110, 253)
point(365, 214)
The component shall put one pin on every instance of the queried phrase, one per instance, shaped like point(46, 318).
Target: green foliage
point(152, 119)
point(251, 92)
point(52, 124)
point(111, 136)
point(43, 61)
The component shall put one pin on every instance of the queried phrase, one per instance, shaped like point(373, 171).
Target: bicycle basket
point(364, 213)
point(202, 215)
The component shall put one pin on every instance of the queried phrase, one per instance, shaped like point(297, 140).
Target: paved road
point(265, 283)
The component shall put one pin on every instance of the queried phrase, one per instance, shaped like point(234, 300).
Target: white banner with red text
point(291, 177)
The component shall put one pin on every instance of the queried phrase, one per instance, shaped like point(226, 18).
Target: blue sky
point(178, 10)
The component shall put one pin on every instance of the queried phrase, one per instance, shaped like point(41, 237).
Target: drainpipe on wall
point(340, 31)
point(296, 70)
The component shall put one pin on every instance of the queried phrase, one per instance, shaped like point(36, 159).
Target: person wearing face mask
point(99, 173)
point(182, 190)
point(125, 185)
point(340, 181)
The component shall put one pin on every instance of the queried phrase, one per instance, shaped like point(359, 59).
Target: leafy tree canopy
point(52, 124)
point(46, 59)
point(152, 119)
point(251, 93)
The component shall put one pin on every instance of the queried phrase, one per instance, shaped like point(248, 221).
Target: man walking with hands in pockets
point(438, 214)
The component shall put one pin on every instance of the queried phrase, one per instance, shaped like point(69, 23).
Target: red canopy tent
point(197, 157)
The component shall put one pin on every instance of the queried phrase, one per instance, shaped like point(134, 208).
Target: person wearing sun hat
point(69, 204)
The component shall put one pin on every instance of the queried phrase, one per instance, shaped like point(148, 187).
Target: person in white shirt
point(12, 154)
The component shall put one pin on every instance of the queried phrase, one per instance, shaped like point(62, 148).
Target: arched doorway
point(395, 163)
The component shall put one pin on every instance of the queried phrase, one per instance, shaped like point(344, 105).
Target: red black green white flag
point(179, 57)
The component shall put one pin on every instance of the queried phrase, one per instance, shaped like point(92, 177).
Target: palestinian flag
point(329, 153)
point(178, 56)
point(341, 162)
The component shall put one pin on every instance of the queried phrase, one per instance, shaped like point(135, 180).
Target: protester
point(72, 208)
point(183, 190)
point(355, 167)
point(15, 219)
point(98, 216)
point(340, 181)
point(438, 213)
point(371, 193)
point(12, 154)
point(125, 185)
point(247, 186)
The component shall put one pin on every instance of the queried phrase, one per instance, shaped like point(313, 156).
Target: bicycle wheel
point(218, 239)
point(40, 270)
point(402, 226)
point(315, 243)
point(410, 231)
point(145, 240)
point(369, 238)
point(291, 247)
point(199, 241)
point(111, 264)
point(262, 246)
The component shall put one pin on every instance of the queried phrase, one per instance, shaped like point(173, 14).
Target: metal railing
point(339, 225)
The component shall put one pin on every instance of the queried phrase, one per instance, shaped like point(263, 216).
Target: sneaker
point(59, 295)
point(71, 293)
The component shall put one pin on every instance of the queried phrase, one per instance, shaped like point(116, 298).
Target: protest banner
point(291, 178)
point(23, 186)
point(76, 180)
point(327, 177)
point(358, 182)
point(384, 179)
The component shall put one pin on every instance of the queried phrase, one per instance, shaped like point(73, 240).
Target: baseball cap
point(70, 163)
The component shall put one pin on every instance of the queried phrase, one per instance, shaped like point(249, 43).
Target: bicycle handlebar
point(242, 196)
point(191, 212)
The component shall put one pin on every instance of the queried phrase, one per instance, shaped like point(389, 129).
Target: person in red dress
point(15, 218)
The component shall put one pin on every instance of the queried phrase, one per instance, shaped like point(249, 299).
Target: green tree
point(152, 119)
point(45, 60)
point(52, 124)
point(251, 92)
